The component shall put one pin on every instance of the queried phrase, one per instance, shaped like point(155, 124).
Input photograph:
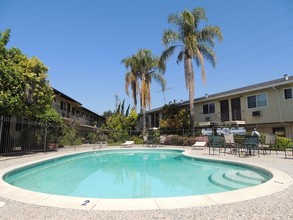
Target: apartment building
point(73, 113)
point(267, 106)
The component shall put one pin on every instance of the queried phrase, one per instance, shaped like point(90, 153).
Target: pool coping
point(279, 182)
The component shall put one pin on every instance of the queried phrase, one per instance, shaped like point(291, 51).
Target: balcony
point(220, 119)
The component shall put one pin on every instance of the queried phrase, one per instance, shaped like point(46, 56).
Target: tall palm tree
point(145, 66)
point(194, 44)
point(131, 79)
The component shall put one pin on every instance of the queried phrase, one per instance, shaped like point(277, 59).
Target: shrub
point(282, 143)
point(137, 139)
point(184, 141)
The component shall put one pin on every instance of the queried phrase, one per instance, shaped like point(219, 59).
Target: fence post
point(1, 128)
point(45, 140)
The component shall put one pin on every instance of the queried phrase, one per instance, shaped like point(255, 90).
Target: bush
point(137, 139)
point(184, 141)
point(282, 143)
point(70, 137)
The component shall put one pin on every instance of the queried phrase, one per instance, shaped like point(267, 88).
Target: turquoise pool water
point(134, 173)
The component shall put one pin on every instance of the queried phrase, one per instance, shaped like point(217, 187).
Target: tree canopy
point(24, 88)
point(174, 117)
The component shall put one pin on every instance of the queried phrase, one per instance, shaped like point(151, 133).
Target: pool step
point(251, 175)
point(234, 177)
point(233, 180)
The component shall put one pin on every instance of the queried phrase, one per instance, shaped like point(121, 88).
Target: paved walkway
point(275, 206)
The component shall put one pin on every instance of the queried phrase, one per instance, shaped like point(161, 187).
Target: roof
point(254, 87)
point(97, 115)
point(57, 92)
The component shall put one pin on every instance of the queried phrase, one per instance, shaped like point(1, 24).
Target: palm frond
point(180, 56)
point(170, 37)
point(201, 61)
point(127, 82)
point(167, 53)
point(211, 32)
point(174, 19)
point(208, 53)
point(199, 14)
point(158, 77)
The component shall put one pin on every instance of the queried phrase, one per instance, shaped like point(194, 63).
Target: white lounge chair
point(199, 145)
point(127, 144)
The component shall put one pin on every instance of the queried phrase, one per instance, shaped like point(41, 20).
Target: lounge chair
point(199, 145)
point(127, 144)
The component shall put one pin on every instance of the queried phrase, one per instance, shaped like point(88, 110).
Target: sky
point(82, 42)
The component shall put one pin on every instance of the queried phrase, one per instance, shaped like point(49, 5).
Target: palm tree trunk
point(144, 120)
point(143, 101)
point(191, 108)
point(189, 80)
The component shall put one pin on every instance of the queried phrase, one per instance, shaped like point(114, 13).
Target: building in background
point(267, 106)
point(73, 113)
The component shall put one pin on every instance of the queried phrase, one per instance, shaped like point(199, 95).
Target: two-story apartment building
point(18, 134)
point(73, 113)
point(267, 106)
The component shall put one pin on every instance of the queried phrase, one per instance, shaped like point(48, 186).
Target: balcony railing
point(74, 118)
point(220, 118)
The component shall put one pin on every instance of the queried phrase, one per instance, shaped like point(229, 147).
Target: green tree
point(50, 116)
point(145, 66)
point(107, 114)
point(174, 117)
point(193, 43)
point(119, 125)
point(24, 88)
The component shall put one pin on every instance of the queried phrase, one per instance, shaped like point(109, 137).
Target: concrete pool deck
point(271, 200)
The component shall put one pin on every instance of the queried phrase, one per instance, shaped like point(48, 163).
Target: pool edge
point(279, 182)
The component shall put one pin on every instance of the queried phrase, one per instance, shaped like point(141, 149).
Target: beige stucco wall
point(277, 110)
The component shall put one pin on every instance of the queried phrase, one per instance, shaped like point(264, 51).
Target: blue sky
point(83, 42)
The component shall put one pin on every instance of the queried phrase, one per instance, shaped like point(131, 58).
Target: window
point(279, 132)
point(256, 101)
point(62, 105)
point(288, 93)
point(209, 108)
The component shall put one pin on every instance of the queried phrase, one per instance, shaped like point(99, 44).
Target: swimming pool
point(134, 173)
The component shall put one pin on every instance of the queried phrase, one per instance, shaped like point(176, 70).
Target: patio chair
point(287, 150)
point(151, 141)
point(215, 142)
point(250, 144)
point(269, 144)
point(230, 143)
point(162, 140)
point(145, 141)
point(127, 144)
point(199, 145)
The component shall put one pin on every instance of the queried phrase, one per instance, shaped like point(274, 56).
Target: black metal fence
point(21, 136)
